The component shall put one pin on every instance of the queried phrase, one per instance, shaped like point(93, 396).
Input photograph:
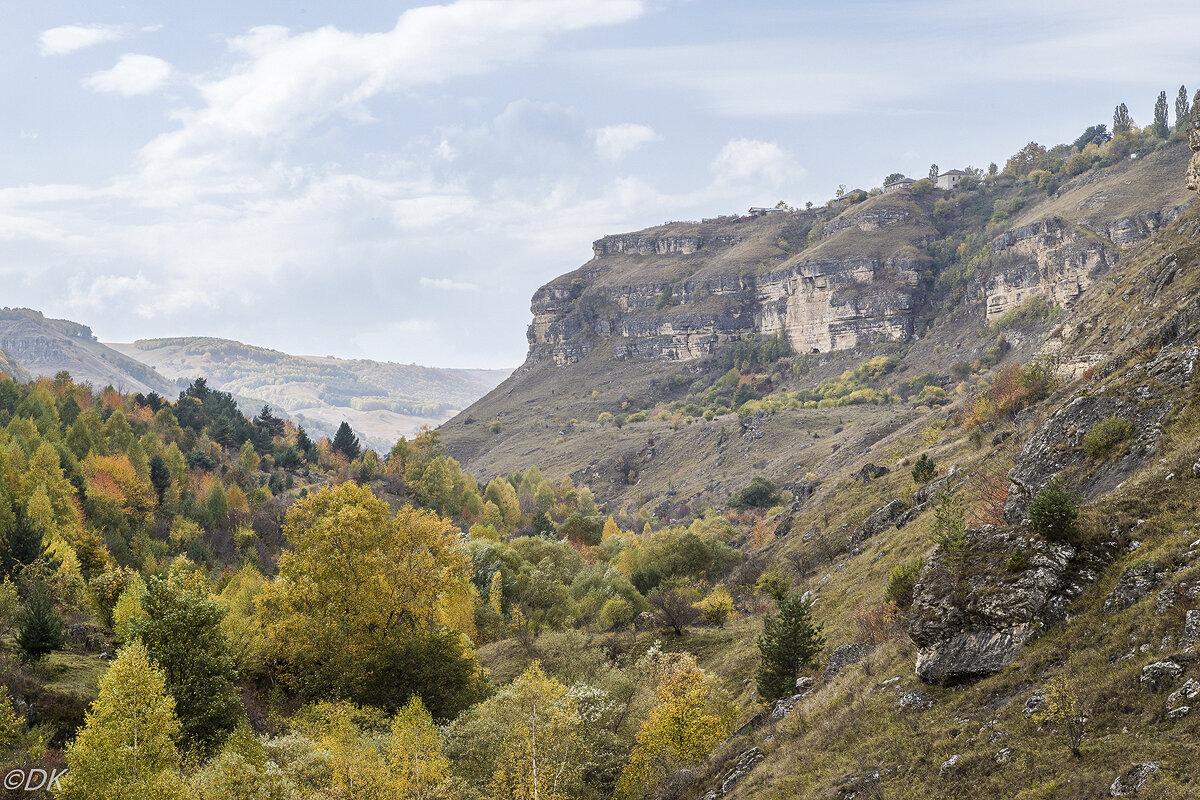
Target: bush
point(900, 585)
point(924, 470)
point(1105, 435)
point(1054, 511)
point(761, 493)
point(717, 607)
point(616, 613)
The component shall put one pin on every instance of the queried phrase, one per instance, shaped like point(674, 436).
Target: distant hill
point(43, 347)
point(382, 401)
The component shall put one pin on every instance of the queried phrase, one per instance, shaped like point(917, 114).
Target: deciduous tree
point(688, 721)
point(126, 748)
point(358, 581)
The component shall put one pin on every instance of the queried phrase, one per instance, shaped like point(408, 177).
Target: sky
point(394, 180)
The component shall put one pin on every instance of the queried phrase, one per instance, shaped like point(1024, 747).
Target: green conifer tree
point(40, 626)
point(790, 642)
point(346, 443)
point(1161, 129)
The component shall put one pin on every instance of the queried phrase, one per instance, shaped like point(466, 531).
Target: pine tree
point(40, 626)
point(160, 476)
point(933, 172)
point(1161, 129)
point(126, 748)
point(303, 442)
point(346, 443)
point(1183, 109)
point(23, 544)
point(790, 642)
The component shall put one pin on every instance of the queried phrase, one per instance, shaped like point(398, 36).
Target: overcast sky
point(393, 180)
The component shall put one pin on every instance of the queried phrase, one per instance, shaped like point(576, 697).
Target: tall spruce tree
point(346, 443)
point(160, 475)
point(1183, 109)
point(790, 641)
point(40, 626)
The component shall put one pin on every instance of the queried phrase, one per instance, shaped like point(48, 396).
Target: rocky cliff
point(1192, 180)
point(679, 293)
point(846, 277)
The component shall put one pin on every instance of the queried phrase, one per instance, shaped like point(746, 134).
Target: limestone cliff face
point(1051, 259)
point(822, 303)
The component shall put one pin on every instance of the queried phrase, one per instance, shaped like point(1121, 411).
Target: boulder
point(1189, 691)
point(843, 656)
point(880, 520)
point(1134, 779)
point(746, 762)
point(969, 621)
point(1159, 675)
point(971, 655)
point(1134, 584)
point(870, 472)
point(949, 764)
point(1176, 714)
point(1191, 629)
point(915, 701)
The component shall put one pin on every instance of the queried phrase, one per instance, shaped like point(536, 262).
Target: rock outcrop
point(970, 620)
point(679, 291)
point(1057, 445)
point(1052, 259)
point(1134, 779)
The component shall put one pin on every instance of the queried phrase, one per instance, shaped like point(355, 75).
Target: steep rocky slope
point(841, 283)
point(955, 693)
point(44, 347)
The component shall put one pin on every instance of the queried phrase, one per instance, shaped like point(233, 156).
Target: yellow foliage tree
point(126, 748)
point(414, 756)
point(357, 578)
point(611, 529)
point(689, 720)
point(1064, 710)
point(539, 758)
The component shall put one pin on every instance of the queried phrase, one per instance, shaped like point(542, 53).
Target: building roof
point(953, 172)
point(900, 180)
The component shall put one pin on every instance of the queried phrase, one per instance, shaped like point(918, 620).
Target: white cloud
point(287, 82)
point(744, 162)
point(447, 283)
point(69, 38)
point(614, 141)
point(133, 74)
